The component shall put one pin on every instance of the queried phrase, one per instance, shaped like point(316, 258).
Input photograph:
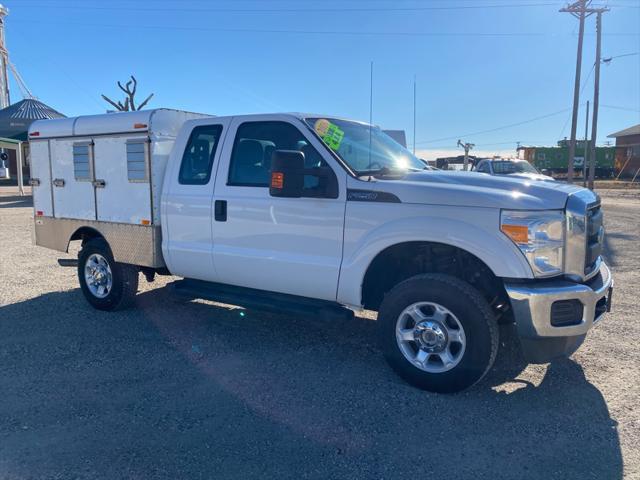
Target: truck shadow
point(206, 390)
point(16, 201)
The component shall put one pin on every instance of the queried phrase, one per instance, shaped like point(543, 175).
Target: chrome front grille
point(584, 235)
point(595, 239)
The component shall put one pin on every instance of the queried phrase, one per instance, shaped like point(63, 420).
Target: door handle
point(58, 182)
point(220, 210)
point(99, 183)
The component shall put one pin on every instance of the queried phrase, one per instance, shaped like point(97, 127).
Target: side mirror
point(287, 174)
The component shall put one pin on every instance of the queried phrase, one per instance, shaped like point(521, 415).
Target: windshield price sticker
point(330, 133)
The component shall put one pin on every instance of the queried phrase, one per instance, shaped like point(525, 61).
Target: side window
point(137, 161)
point(484, 168)
point(82, 161)
point(254, 145)
point(197, 160)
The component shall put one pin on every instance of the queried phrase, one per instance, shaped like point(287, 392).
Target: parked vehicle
point(510, 166)
point(318, 214)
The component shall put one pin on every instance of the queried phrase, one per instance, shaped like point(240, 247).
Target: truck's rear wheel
point(438, 333)
point(105, 283)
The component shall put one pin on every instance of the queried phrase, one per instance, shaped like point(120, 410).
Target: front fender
point(371, 229)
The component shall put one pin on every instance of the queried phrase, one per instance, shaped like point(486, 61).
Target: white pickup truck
point(311, 213)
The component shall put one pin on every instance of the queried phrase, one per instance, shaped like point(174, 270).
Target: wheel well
point(404, 260)
point(85, 234)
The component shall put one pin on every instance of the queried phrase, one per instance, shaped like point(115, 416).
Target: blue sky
point(480, 64)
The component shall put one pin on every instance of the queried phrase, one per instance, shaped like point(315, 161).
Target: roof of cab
point(159, 119)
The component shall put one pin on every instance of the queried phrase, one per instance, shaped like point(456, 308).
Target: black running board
point(257, 299)
point(68, 262)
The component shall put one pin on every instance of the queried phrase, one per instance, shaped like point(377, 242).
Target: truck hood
point(473, 190)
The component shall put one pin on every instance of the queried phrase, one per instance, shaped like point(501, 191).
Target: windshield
point(505, 167)
point(365, 149)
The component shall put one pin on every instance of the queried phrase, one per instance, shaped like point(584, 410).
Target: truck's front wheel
point(438, 333)
point(105, 283)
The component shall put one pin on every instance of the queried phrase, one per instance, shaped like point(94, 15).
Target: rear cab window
point(197, 160)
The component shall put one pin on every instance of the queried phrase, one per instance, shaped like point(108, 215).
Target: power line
point(627, 109)
point(298, 10)
point(504, 127)
point(313, 32)
point(581, 90)
point(497, 143)
point(621, 6)
point(607, 60)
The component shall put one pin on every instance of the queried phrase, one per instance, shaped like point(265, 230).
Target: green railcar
point(556, 159)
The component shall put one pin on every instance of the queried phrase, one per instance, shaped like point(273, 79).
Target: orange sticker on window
point(277, 179)
point(322, 127)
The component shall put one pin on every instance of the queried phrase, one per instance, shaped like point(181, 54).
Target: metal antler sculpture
point(130, 91)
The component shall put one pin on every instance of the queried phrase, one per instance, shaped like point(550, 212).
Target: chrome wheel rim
point(430, 337)
point(98, 276)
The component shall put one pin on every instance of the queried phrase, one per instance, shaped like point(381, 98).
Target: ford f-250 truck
point(312, 213)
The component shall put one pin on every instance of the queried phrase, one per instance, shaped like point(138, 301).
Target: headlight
point(540, 237)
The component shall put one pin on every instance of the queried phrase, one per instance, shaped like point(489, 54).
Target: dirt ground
point(203, 390)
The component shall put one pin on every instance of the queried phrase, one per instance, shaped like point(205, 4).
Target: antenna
point(414, 114)
point(370, 112)
point(371, 96)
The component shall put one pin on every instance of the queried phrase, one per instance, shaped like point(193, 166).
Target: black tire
point(472, 311)
point(124, 278)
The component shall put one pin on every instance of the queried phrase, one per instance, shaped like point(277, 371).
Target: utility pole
point(586, 147)
point(578, 10)
point(467, 146)
point(596, 96)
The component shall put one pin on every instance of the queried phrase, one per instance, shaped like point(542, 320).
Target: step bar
point(258, 299)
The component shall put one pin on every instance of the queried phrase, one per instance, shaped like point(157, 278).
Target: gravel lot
point(197, 390)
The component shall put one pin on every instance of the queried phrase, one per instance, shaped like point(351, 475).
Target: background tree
point(129, 102)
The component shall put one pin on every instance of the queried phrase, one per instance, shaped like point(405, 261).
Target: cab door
point(187, 199)
point(287, 245)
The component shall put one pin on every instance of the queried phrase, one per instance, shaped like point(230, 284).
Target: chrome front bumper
point(531, 303)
